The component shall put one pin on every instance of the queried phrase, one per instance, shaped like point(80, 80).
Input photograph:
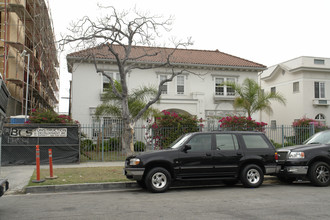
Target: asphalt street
point(270, 201)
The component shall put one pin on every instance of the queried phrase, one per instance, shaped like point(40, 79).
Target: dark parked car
point(309, 161)
point(228, 156)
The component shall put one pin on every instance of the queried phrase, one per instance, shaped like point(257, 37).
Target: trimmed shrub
point(87, 145)
point(139, 146)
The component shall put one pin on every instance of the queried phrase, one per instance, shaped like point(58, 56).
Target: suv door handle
point(208, 154)
point(239, 154)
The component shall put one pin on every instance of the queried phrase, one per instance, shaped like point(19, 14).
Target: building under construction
point(28, 55)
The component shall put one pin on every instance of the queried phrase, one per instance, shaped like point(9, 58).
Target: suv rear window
point(254, 141)
point(226, 142)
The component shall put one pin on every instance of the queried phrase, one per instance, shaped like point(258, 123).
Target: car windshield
point(319, 138)
point(178, 142)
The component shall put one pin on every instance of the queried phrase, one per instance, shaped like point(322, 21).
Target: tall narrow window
point(319, 89)
point(163, 87)
point(106, 82)
point(96, 123)
point(117, 77)
point(273, 90)
point(296, 87)
point(219, 89)
point(180, 85)
point(230, 90)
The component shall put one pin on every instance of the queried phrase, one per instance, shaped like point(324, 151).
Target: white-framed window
point(96, 127)
point(296, 87)
point(319, 61)
point(321, 118)
point(163, 87)
point(273, 124)
point(223, 90)
point(180, 85)
point(112, 126)
point(106, 80)
point(319, 89)
point(273, 89)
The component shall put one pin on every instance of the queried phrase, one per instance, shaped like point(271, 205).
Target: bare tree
point(120, 33)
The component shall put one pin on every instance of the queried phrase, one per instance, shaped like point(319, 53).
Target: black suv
point(229, 156)
point(309, 161)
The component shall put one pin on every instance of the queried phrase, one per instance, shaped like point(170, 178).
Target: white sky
point(264, 31)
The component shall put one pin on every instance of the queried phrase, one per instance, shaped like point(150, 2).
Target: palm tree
point(252, 98)
point(137, 100)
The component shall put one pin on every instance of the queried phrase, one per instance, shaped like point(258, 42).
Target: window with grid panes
point(163, 87)
point(180, 85)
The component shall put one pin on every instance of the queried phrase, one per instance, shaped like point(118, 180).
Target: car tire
point(158, 180)
point(252, 176)
point(319, 174)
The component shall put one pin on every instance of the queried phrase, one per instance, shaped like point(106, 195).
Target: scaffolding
point(27, 47)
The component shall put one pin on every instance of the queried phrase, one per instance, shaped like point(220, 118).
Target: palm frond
point(108, 109)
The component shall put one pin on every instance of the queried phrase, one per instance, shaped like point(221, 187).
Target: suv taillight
point(276, 156)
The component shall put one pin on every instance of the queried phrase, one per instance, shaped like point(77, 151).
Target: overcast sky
point(264, 31)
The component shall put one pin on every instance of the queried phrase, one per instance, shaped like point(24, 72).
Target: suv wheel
point(319, 174)
point(158, 180)
point(252, 176)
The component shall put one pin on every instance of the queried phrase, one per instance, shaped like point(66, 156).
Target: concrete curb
point(100, 186)
point(80, 187)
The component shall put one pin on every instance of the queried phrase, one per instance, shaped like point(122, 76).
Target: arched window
point(321, 118)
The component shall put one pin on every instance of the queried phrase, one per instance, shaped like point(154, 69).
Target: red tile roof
point(180, 56)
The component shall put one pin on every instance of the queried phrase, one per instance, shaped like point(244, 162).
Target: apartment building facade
point(28, 55)
point(305, 83)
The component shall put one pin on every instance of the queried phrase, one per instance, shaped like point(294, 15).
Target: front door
point(197, 162)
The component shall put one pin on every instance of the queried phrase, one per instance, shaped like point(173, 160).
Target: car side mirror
point(186, 148)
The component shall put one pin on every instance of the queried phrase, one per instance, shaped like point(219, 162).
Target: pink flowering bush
point(168, 126)
point(41, 116)
point(303, 129)
point(236, 123)
point(303, 122)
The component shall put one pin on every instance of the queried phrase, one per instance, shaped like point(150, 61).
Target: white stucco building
point(305, 83)
point(197, 91)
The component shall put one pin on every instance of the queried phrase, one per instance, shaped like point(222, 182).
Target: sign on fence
point(38, 132)
point(19, 142)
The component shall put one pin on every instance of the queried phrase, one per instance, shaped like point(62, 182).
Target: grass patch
point(81, 175)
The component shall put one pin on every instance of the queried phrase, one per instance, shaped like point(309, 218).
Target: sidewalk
point(19, 176)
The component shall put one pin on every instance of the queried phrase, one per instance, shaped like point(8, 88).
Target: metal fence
point(103, 143)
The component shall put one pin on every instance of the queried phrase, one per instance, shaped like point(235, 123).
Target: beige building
point(28, 55)
point(305, 83)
